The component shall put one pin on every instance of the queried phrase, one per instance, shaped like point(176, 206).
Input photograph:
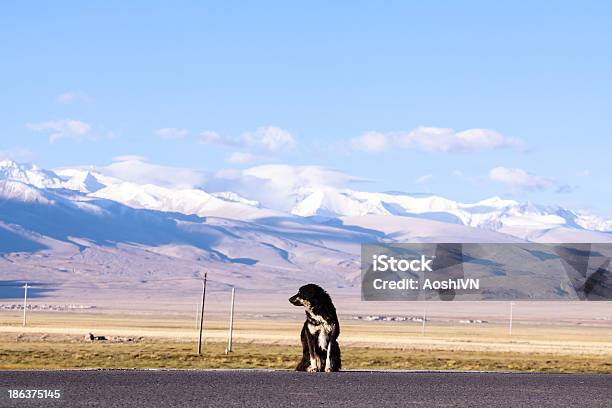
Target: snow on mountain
point(236, 198)
point(28, 174)
point(493, 213)
point(593, 222)
point(332, 202)
point(13, 190)
point(14, 194)
point(185, 201)
point(159, 198)
point(84, 181)
point(304, 194)
point(336, 202)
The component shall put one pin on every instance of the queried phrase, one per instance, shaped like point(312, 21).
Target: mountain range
point(76, 224)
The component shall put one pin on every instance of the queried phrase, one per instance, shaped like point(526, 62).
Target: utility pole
point(25, 301)
point(424, 319)
point(511, 317)
point(197, 316)
point(231, 324)
point(202, 313)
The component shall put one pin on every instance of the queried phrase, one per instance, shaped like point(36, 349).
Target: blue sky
point(462, 99)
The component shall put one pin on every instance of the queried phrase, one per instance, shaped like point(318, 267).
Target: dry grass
point(165, 354)
point(56, 340)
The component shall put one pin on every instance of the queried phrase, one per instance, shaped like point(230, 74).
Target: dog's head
point(308, 295)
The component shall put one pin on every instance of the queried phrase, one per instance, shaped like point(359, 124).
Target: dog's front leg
point(328, 367)
point(311, 351)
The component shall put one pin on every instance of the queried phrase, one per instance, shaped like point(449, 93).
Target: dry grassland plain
point(58, 340)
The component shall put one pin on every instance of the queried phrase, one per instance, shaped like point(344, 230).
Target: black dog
point(320, 331)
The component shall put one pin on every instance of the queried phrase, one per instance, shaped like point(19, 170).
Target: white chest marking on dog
point(323, 337)
point(323, 329)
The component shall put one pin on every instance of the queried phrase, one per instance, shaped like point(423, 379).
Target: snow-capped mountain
point(236, 198)
point(28, 174)
point(494, 213)
point(83, 181)
point(17, 191)
point(184, 201)
point(593, 222)
point(322, 202)
point(116, 228)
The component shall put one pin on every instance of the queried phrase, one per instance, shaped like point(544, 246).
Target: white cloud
point(433, 139)
point(374, 142)
point(424, 179)
point(65, 128)
point(171, 133)
point(483, 139)
point(129, 157)
point(73, 96)
point(210, 137)
point(241, 158)
point(519, 179)
point(275, 185)
point(294, 177)
point(136, 170)
point(269, 139)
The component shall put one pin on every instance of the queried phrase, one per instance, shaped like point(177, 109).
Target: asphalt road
point(187, 388)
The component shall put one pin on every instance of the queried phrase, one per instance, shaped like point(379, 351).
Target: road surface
point(259, 388)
